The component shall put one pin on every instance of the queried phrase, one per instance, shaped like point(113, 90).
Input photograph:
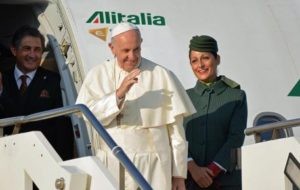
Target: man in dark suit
point(29, 88)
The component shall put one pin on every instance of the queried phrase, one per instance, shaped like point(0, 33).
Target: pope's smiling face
point(204, 65)
point(126, 47)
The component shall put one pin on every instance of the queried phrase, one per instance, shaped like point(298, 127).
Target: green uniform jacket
point(217, 129)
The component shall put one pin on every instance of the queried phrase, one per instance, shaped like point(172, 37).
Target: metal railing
point(80, 108)
point(271, 127)
point(69, 95)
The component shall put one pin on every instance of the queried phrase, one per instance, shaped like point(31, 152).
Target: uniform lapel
point(12, 83)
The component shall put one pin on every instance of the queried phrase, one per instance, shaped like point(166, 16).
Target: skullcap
point(203, 44)
point(122, 27)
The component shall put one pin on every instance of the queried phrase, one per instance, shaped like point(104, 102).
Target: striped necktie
point(23, 86)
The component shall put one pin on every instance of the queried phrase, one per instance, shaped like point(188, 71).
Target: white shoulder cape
point(158, 97)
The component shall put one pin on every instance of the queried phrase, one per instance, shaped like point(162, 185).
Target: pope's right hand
point(127, 83)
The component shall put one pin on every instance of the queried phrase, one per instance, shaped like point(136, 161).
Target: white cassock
point(149, 124)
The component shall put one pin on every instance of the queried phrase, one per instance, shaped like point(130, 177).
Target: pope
point(142, 105)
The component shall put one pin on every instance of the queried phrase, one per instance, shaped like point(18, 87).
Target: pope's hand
point(127, 83)
point(178, 183)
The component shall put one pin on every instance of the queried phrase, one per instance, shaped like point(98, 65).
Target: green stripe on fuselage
point(296, 90)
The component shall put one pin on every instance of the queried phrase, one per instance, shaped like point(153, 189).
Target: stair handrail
point(81, 108)
point(272, 126)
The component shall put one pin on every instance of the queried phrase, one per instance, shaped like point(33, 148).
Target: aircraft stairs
point(29, 157)
point(272, 163)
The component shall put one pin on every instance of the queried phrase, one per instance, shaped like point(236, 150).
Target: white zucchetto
point(123, 27)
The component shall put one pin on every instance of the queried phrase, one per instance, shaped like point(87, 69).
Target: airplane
point(259, 45)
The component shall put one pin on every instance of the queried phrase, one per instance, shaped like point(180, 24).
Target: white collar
point(18, 73)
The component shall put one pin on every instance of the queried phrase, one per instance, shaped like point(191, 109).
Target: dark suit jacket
point(43, 93)
point(217, 129)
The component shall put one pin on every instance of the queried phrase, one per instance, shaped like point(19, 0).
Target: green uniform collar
point(229, 82)
point(218, 86)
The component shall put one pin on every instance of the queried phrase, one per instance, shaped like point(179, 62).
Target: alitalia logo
point(106, 17)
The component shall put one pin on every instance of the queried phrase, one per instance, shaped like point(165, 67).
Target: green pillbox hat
point(203, 44)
